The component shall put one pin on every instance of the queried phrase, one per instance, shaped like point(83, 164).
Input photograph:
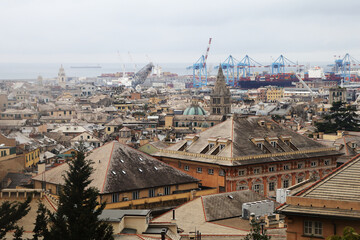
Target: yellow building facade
point(62, 113)
point(32, 158)
point(7, 153)
point(274, 94)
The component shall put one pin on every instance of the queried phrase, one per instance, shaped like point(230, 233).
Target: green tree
point(348, 234)
point(18, 233)
point(41, 223)
point(256, 233)
point(10, 214)
point(341, 117)
point(78, 211)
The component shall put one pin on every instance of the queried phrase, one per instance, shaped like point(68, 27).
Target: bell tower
point(62, 77)
point(220, 103)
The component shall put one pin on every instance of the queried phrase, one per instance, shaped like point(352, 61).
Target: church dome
point(194, 110)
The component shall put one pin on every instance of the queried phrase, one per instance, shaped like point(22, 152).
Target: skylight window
point(121, 160)
point(140, 170)
point(113, 172)
point(123, 172)
point(156, 168)
point(140, 158)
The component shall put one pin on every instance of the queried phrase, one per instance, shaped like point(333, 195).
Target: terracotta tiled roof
point(119, 168)
point(342, 184)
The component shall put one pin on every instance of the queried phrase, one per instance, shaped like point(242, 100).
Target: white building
point(87, 90)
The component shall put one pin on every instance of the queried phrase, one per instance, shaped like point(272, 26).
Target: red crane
point(207, 52)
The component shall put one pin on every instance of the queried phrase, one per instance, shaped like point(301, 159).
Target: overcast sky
point(94, 31)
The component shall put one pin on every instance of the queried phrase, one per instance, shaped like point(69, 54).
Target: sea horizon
point(30, 71)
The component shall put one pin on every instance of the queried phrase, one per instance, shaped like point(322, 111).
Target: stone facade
point(220, 98)
point(337, 95)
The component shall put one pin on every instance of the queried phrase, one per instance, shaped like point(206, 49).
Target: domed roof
point(194, 110)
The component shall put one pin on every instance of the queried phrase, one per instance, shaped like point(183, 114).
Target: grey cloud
point(177, 31)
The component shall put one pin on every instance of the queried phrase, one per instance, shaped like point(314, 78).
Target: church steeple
point(62, 77)
point(220, 103)
point(220, 84)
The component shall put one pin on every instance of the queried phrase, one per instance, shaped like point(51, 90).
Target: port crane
point(245, 65)
point(278, 66)
point(132, 61)
point(228, 67)
point(345, 65)
point(200, 69)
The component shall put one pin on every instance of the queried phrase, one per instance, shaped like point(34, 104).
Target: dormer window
point(259, 145)
point(211, 145)
point(286, 139)
point(353, 145)
point(222, 146)
point(273, 143)
point(190, 139)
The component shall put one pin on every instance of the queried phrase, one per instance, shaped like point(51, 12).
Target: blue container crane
point(228, 67)
point(245, 65)
point(344, 66)
point(278, 66)
point(199, 72)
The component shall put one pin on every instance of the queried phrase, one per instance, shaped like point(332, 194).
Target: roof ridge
point(107, 169)
point(232, 137)
point(203, 208)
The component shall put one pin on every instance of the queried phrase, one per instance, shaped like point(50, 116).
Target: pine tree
point(256, 233)
point(18, 233)
point(341, 117)
point(78, 211)
point(41, 224)
point(10, 213)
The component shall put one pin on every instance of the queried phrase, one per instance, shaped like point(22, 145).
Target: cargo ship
point(284, 80)
point(314, 74)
